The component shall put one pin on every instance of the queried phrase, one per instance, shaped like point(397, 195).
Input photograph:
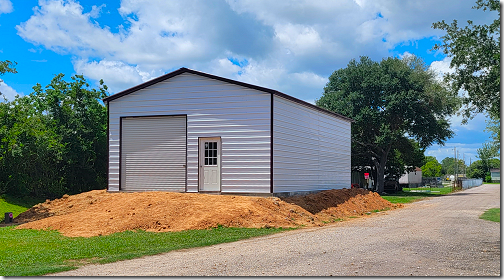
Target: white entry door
point(209, 161)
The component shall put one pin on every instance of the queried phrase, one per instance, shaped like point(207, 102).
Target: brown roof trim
point(186, 70)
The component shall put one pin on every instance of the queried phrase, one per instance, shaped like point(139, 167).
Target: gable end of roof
point(187, 70)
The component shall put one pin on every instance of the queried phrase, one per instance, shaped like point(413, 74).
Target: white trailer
point(411, 179)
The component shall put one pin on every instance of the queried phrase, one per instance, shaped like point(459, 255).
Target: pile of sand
point(100, 213)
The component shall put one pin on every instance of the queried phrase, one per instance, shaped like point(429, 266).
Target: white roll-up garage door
point(153, 153)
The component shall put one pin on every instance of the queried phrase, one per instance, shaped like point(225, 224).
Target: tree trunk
point(380, 170)
point(380, 174)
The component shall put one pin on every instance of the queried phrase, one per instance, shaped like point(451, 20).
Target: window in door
point(210, 153)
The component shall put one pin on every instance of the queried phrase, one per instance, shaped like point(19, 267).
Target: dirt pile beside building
point(100, 213)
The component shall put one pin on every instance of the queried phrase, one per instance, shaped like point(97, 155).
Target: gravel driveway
point(442, 236)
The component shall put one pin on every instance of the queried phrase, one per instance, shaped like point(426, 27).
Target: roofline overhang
point(187, 70)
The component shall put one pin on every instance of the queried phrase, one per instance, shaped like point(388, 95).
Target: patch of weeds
point(492, 214)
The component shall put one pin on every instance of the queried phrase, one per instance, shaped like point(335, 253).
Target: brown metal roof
point(186, 70)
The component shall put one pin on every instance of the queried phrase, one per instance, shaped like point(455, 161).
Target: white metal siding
point(413, 177)
point(153, 154)
point(239, 115)
point(311, 149)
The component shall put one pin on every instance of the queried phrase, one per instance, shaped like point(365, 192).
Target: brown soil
point(100, 213)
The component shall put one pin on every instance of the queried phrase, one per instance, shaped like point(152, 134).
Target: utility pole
point(455, 167)
point(463, 156)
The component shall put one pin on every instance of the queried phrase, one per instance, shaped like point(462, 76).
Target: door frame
point(121, 144)
point(200, 163)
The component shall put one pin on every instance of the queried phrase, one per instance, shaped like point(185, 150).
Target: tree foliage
point(493, 126)
point(7, 66)
point(487, 154)
point(480, 169)
point(432, 167)
point(54, 140)
point(475, 53)
point(392, 102)
point(450, 166)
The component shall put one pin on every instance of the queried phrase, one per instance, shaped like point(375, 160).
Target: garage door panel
point(153, 153)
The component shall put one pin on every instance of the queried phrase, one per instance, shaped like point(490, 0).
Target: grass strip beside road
point(492, 214)
point(27, 252)
point(408, 195)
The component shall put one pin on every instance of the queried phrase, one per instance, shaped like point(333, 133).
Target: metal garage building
point(189, 131)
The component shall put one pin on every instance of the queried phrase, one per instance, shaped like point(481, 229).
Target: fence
point(432, 182)
point(469, 183)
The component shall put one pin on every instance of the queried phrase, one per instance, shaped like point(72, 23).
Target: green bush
point(488, 179)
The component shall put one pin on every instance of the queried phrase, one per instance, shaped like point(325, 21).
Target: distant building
point(495, 174)
point(411, 179)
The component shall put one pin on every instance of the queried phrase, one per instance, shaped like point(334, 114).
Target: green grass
point(444, 190)
point(15, 205)
point(26, 252)
point(407, 196)
point(492, 214)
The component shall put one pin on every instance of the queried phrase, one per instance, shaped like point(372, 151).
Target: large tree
point(432, 168)
point(74, 112)
point(475, 53)
point(391, 102)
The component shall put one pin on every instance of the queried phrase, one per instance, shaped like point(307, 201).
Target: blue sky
point(290, 46)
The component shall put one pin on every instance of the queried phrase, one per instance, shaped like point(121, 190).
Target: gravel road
point(442, 236)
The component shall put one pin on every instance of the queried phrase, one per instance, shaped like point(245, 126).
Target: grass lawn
point(408, 195)
point(15, 205)
point(26, 252)
point(492, 214)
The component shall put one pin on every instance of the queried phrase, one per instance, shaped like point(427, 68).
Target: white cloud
point(7, 92)
point(310, 79)
point(262, 74)
point(96, 10)
point(63, 27)
point(291, 46)
point(441, 67)
point(299, 39)
point(224, 67)
point(472, 133)
point(465, 151)
point(5, 6)
point(115, 74)
point(475, 124)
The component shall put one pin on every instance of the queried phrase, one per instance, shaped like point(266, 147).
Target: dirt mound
point(341, 203)
point(100, 213)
